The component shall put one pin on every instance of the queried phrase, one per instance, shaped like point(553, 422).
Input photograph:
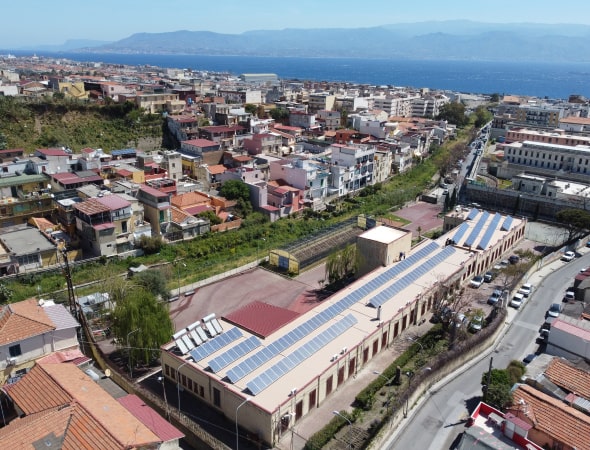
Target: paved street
point(440, 416)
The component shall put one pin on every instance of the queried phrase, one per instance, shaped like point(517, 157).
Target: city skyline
point(56, 22)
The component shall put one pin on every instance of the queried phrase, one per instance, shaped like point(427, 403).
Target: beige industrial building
point(268, 366)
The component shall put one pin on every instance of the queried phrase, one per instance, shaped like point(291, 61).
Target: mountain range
point(445, 40)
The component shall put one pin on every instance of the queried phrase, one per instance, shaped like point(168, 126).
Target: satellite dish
point(107, 373)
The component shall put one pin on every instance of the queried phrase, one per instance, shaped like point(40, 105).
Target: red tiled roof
point(124, 173)
point(49, 386)
point(150, 418)
point(551, 417)
point(189, 199)
point(200, 143)
point(113, 202)
point(195, 210)
point(242, 158)
point(569, 377)
point(22, 320)
point(216, 169)
point(261, 319)
point(91, 206)
point(152, 191)
point(53, 152)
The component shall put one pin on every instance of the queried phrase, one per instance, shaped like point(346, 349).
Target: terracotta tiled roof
point(569, 377)
point(91, 206)
point(216, 169)
point(48, 386)
point(22, 320)
point(189, 199)
point(150, 418)
point(552, 417)
point(60, 425)
point(260, 318)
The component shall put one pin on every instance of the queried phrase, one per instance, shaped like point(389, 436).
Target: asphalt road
point(436, 424)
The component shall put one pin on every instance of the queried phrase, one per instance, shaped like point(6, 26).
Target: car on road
point(495, 297)
point(517, 301)
point(526, 289)
point(554, 310)
point(529, 358)
point(568, 256)
point(476, 282)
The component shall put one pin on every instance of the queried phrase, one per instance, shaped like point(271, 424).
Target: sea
point(553, 80)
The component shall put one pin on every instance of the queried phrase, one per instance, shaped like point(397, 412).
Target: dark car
point(529, 358)
point(489, 276)
point(514, 259)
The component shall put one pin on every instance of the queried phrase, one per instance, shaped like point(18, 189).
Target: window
point(14, 351)
point(216, 397)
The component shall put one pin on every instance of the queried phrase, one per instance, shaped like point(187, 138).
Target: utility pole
point(488, 380)
point(68, 275)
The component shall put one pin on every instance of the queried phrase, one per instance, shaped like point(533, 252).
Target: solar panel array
point(507, 224)
point(234, 353)
point(472, 214)
point(485, 240)
point(476, 229)
point(411, 277)
point(213, 345)
point(460, 232)
point(267, 353)
point(262, 381)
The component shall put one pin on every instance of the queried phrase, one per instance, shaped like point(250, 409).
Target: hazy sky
point(53, 22)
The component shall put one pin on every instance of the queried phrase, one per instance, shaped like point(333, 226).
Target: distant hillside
point(32, 125)
point(452, 40)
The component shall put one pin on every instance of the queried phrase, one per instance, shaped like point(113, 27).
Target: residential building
point(428, 105)
point(310, 177)
point(263, 143)
point(554, 136)
point(156, 206)
point(210, 152)
point(538, 115)
point(318, 101)
point(31, 329)
point(63, 407)
point(329, 120)
point(357, 162)
point(105, 224)
point(302, 119)
point(157, 103)
point(27, 248)
point(23, 197)
point(225, 136)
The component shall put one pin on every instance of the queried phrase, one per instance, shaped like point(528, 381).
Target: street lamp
point(178, 382)
point(415, 341)
point(161, 380)
point(336, 413)
point(409, 374)
point(178, 275)
point(388, 381)
point(237, 433)
point(129, 352)
point(257, 248)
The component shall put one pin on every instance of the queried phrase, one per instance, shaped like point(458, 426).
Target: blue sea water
point(552, 80)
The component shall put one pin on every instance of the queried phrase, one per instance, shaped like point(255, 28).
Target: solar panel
point(507, 224)
point(473, 214)
point(195, 337)
point(201, 333)
point(460, 232)
point(181, 346)
point(213, 345)
point(234, 353)
point(265, 379)
point(485, 240)
point(410, 277)
point(476, 229)
point(216, 325)
point(209, 327)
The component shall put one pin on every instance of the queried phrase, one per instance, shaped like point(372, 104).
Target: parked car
point(495, 297)
point(514, 259)
point(517, 301)
point(489, 276)
point(570, 296)
point(476, 282)
point(502, 264)
point(568, 256)
point(526, 289)
point(529, 358)
point(458, 320)
point(554, 310)
point(476, 323)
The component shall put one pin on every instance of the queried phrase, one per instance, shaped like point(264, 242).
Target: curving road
point(436, 423)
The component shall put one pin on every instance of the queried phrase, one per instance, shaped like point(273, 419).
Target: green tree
point(5, 293)
point(234, 190)
point(142, 323)
point(454, 197)
point(575, 221)
point(280, 115)
point(153, 281)
point(250, 108)
point(341, 264)
point(209, 215)
point(482, 116)
point(3, 142)
point(495, 98)
point(454, 112)
point(150, 244)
